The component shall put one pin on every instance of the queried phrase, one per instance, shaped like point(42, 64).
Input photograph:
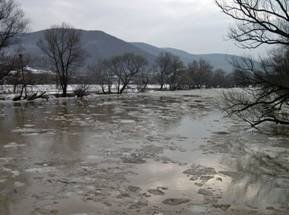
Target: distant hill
point(220, 61)
point(97, 44)
point(100, 45)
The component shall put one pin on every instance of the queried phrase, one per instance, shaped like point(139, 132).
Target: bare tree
point(258, 22)
point(169, 70)
point(100, 73)
point(219, 79)
point(162, 68)
point(261, 22)
point(125, 68)
point(21, 76)
point(200, 73)
point(12, 23)
point(268, 98)
point(62, 46)
point(5, 68)
point(240, 78)
point(176, 72)
point(142, 80)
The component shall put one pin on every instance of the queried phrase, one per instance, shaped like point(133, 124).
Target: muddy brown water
point(153, 153)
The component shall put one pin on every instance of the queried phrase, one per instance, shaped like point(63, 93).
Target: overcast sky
point(196, 26)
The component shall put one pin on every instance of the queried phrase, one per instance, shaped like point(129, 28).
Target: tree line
point(168, 72)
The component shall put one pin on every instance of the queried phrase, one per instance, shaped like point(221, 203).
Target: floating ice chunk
point(14, 173)
point(41, 170)
point(92, 157)
point(29, 125)
point(13, 145)
point(18, 184)
point(127, 121)
point(32, 131)
point(5, 160)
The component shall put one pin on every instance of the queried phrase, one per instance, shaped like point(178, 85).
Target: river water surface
point(153, 153)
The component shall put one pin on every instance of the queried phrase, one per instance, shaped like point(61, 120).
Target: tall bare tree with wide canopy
point(62, 46)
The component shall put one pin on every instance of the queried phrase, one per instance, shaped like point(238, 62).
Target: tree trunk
point(103, 89)
point(109, 89)
point(123, 88)
point(64, 90)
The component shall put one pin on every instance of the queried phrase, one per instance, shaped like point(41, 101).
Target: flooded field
point(153, 153)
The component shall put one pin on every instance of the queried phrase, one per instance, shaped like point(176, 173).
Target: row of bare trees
point(168, 72)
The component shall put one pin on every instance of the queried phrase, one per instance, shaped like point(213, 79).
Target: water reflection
point(257, 179)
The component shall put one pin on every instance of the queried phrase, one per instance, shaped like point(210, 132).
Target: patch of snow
point(38, 71)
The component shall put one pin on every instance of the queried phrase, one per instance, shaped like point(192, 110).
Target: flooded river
point(155, 153)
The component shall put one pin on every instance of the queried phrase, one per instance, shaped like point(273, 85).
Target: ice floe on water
point(40, 170)
point(155, 153)
point(13, 145)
